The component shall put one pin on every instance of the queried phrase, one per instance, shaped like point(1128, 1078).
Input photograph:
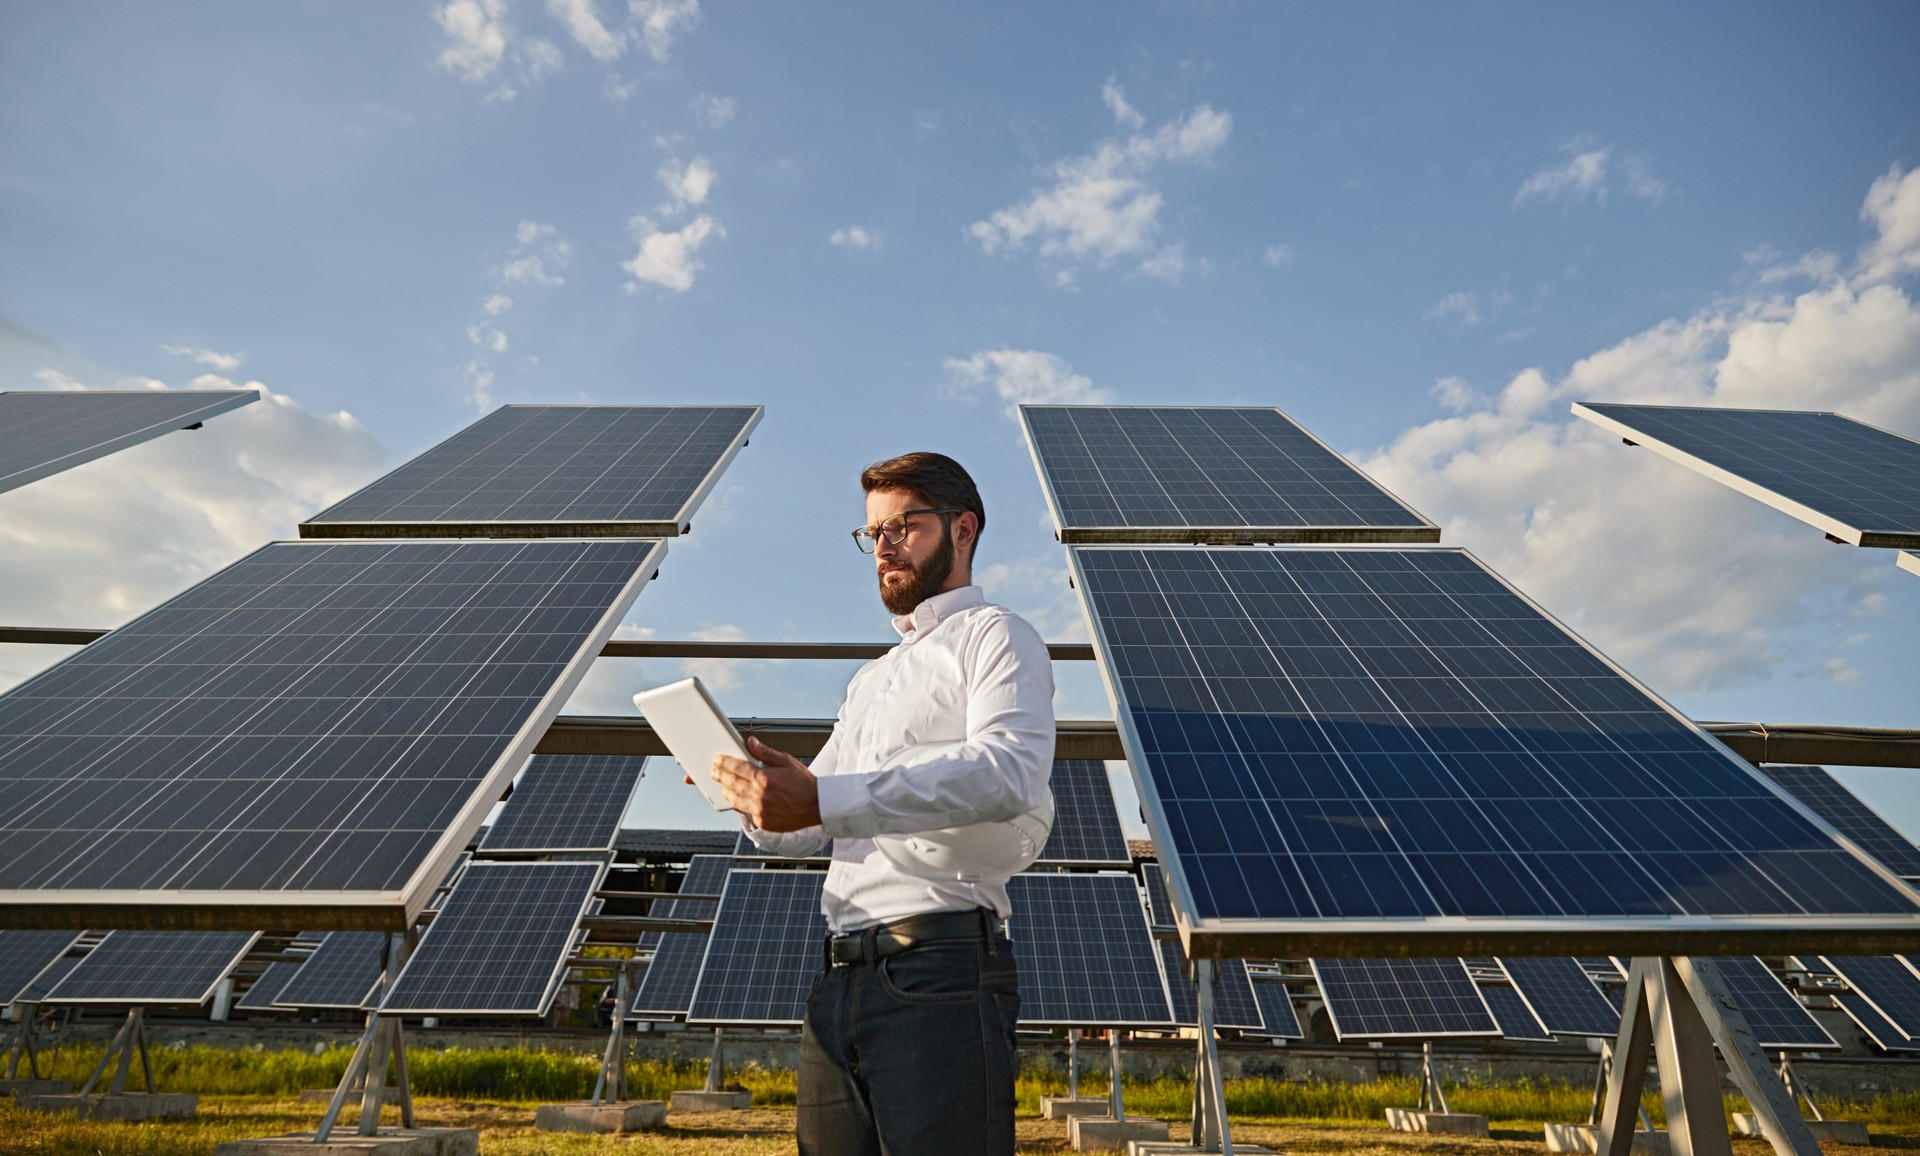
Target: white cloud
point(1169, 264)
point(719, 674)
point(711, 111)
point(1589, 173)
point(854, 237)
point(488, 338)
point(1116, 101)
point(539, 254)
point(1893, 208)
point(96, 545)
point(213, 359)
point(1687, 583)
point(1021, 375)
point(1100, 207)
point(1280, 256)
point(687, 187)
point(582, 21)
point(1470, 306)
point(661, 22)
point(496, 304)
point(666, 258)
point(476, 37)
point(1037, 589)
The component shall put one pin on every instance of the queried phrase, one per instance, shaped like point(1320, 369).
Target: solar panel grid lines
point(705, 875)
point(306, 738)
point(1402, 998)
point(1083, 952)
point(1517, 1021)
point(260, 995)
point(552, 471)
point(1777, 1017)
point(344, 972)
point(1887, 982)
point(1278, 1019)
point(1878, 1028)
point(153, 967)
point(1160, 911)
point(499, 944)
point(1380, 735)
point(1086, 824)
point(1563, 996)
point(1854, 481)
point(1848, 814)
point(764, 949)
point(26, 955)
point(665, 989)
point(1233, 1002)
point(1206, 474)
point(565, 803)
point(45, 432)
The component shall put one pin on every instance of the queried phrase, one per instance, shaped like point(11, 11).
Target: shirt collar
point(934, 610)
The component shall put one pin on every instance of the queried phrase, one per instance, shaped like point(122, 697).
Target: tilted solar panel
point(1859, 483)
point(1198, 474)
point(575, 471)
point(1516, 1019)
point(764, 949)
point(1082, 952)
point(500, 942)
point(1885, 981)
point(1278, 1020)
point(565, 803)
point(1233, 1002)
point(259, 997)
point(306, 739)
point(342, 973)
point(1395, 739)
point(154, 967)
point(44, 433)
point(705, 875)
point(1825, 797)
point(24, 955)
point(1778, 1019)
point(1159, 903)
point(1086, 825)
point(1563, 996)
point(666, 987)
point(1402, 998)
point(1878, 1028)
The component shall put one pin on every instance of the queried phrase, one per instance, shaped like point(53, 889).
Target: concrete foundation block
point(586, 1116)
point(126, 1106)
point(1169, 1148)
point(1067, 1107)
point(712, 1101)
point(1825, 1131)
point(35, 1087)
point(1583, 1140)
point(344, 1141)
point(1437, 1123)
point(1106, 1134)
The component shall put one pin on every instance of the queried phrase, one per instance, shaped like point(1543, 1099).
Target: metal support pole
point(375, 1093)
point(612, 1080)
point(355, 1067)
point(1795, 1088)
point(1211, 1132)
point(1600, 1083)
point(1711, 998)
point(1114, 1107)
point(1627, 1073)
point(146, 1063)
point(403, 1087)
point(1689, 1072)
point(1433, 1097)
point(717, 1064)
point(121, 1039)
point(1073, 1063)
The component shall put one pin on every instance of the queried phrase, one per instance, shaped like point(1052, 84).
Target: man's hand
point(778, 795)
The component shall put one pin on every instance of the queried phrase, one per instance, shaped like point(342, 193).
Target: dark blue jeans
point(912, 1054)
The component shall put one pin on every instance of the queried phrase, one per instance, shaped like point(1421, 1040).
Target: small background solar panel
point(1086, 824)
point(705, 875)
point(43, 433)
point(566, 803)
point(1083, 953)
point(1777, 1018)
point(153, 967)
point(1825, 797)
point(1877, 1027)
point(1516, 1019)
point(498, 945)
point(1409, 998)
point(1159, 903)
point(341, 973)
point(666, 987)
point(1278, 1020)
point(1233, 1002)
point(1886, 982)
point(764, 949)
point(260, 996)
point(1562, 995)
point(24, 955)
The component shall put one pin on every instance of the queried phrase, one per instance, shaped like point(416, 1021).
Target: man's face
point(916, 568)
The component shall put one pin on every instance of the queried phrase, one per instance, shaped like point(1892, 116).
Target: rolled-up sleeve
point(998, 771)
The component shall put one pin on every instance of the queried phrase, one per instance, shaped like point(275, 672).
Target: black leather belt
point(884, 939)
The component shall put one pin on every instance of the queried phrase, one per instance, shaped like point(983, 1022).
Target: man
point(908, 1043)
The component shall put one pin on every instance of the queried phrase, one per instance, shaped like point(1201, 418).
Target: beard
point(921, 581)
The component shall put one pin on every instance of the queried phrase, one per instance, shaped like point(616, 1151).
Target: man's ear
point(966, 532)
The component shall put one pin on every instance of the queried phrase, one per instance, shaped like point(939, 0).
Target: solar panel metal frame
point(1848, 814)
point(393, 1003)
point(1234, 1005)
point(218, 401)
point(1548, 1001)
point(286, 910)
point(1122, 892)
point(18, 950)
point(1086, 814)
point(1160, 912)
point(319, 526)
point(1270, 997)
point(1221, 535)
point(801, 974)
point(1881, 1000)
point(1878, 1028)
point(329, 969)
point(1744, 976)
point(106, 954)
point(1616, 418)
point(1516, 1017)
point(491, 845)
point(1430, 936)
point(259, 996)
point(705, 875)
point(1332, 997)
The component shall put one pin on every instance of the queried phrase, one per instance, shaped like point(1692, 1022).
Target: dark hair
point(943, 482)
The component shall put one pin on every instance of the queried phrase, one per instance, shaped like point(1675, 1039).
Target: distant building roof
point(659, 843)
point(1141, 849)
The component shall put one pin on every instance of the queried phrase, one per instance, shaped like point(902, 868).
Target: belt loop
point(869, 953)
point(826, 950)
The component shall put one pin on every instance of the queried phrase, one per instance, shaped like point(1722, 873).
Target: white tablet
point(692, 725)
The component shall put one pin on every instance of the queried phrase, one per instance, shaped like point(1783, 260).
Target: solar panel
point(575, 471)
point(1886, 982)
point(565, 803)
point(24, 955)
point(764, 950)
point(499, 944)
point(1516, 1019)
point(342, 972)
point(1159, 902)
point(1402, 998)
point(1083, 953)
point(1396, 739)
point(1233, 1002)
point(1278, 1020)
point(44, 433)
point(1778, 1019)
point(153, 967)
point(1878, 1028)
point(260, 996)
point(1220, 475)
point(1825, 797)
point(666, 987)
point(1563, 996)
point(306, 739)
point(1086, 824)
point(705, 875)
point(1846, 478)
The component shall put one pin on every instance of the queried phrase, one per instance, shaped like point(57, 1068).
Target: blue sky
point(1421, 230)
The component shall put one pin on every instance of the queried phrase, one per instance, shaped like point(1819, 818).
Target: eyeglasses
point(894, 530)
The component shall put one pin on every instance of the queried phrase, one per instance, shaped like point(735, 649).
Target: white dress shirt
point(952, 726)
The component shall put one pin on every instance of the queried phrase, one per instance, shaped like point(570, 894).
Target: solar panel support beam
point(1114, 1106)
point(382, 1043)
point(1433, 1098)
point(612, 1081)
point(132, 1036)
point(23, 1017)
point(717, 1063)
point(1211, 1132)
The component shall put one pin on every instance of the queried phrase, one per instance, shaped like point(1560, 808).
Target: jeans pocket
point(1009, 1008)
point(934, 974)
